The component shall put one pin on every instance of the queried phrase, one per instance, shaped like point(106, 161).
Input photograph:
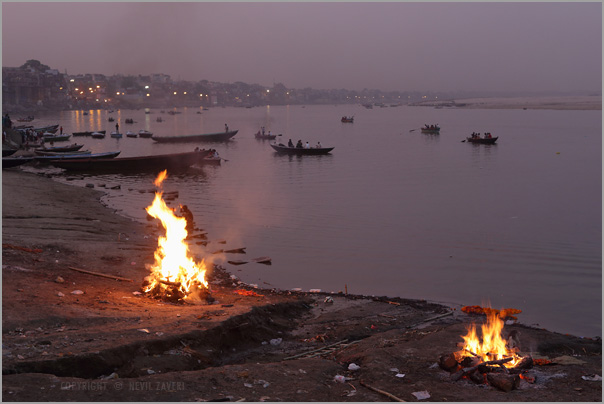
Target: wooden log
point(117, 278)
point(503, 381)
point(448, 362)
point(385, 393)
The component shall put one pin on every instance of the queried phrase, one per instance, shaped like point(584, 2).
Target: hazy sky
point(387, 46)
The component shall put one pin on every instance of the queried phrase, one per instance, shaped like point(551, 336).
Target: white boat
point(98, 135)
point(131, 134)
point(116, 135)
point(144, 133)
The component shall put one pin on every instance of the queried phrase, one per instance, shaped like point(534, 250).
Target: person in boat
point(307, 146)
point(226, 127)
point(319, 145)
point(117, 128)
point(290, 143)
point(262, 130)
point(299, 144)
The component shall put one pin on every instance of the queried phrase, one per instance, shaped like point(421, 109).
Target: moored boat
point(347, 119)
point(433, 129)
point(52, 153)
point(7, 152)
point(87, 133)
point(51, 137)
point(9, 162)
point(131, 134)
point(49, 129)
point(144, 133)
point(116, 135)
point(76, 156)
point(283, 149)
point(155, 163)
point(98, 135)
point(60, 149)
point(207, 137)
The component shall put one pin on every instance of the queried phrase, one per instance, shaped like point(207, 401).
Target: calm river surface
point(392, 211)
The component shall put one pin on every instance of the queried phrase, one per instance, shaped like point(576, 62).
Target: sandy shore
point(109, 343)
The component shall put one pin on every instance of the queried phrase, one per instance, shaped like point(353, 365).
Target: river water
point(391, 211)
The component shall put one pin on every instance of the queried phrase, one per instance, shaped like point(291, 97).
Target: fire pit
point(489, 359)
point(175, 276)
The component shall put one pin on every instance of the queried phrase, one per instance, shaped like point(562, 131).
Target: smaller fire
point(174, 275)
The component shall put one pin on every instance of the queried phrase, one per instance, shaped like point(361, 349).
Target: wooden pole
point(385, 393)
point(117, 278)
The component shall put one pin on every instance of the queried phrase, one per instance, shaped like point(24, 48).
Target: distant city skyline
point(473, 47)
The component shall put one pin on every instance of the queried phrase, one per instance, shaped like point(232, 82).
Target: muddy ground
point(110, 343)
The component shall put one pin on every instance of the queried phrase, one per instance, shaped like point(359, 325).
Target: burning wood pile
point(490, 359)
point(175, 277)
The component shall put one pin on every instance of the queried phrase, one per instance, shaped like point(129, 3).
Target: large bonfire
point(174, 275)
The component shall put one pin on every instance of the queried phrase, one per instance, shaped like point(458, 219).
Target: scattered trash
point(77, 292)
point(248, 385)
point(159, 333)
point(340, 378)
point(592, 378)
point(150, 371)
point(58, 279)
point(394, 370)
point(244, 292)
point(421, 395)
point(111, 376)
point(353, 366)
point(136, 293)
point(276, 341)
point(328, 299)
point(60, 294)
point(143, 330)
point(401, 375)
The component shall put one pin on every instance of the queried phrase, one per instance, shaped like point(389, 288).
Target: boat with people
point(98, 135)
point(265, 136)
point(110, 119)
point(86, 133)
point(51, 137)
point(145, 133)
point(154, 163)
point(477, 138)
point(433, 129)
point(284, 149)
point(348, 119)
point(129, 120)
point(59, 149)
point(9, 162)
point(206, 137)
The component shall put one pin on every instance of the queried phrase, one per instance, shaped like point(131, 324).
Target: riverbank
point(585, 103)
point(108, 343)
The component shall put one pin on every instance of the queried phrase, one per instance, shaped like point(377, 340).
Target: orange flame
point(492, 346)
point(172, 261)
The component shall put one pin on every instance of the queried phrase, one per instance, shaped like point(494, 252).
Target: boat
point(110, 119)
point(348, 119)
point(47, 129)
point(487, 139)
point(98, 135)
point(60, 149)
point(86, 133)
point(8, 152)
point(155, 163)
point(116, 135)
point(59, 154)
point(26, 119)
point(144, 133)
point(283, 149)
point(129, 120)
point(76, 156)
point(159, 119)
point(433, 129)
point(131, 134)
point(51, 137)
point(207, 137)
point(9, 162)
point(260, 135)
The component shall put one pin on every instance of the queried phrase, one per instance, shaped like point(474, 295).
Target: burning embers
point(490, 359)
point(174, 275)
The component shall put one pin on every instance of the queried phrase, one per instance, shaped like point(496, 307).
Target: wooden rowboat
point(60, 149)
point(282, 149)
point(155, 163)
point(480, 140)
point(206, 137)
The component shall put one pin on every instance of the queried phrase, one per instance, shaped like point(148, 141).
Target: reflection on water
point(392, 211)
